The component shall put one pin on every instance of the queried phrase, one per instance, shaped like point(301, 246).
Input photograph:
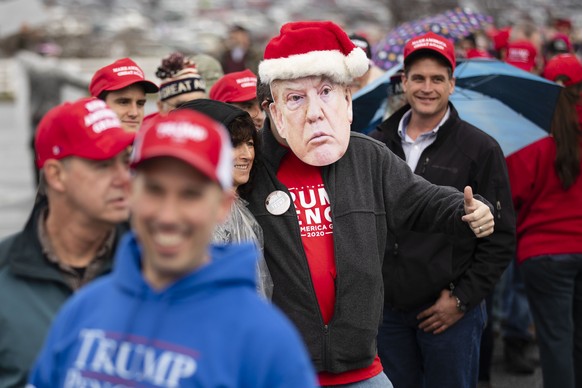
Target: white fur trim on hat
point(333, 64)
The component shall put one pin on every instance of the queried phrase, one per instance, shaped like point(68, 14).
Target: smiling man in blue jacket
point(176, 312)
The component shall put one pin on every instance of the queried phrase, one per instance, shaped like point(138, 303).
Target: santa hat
point(312, 48)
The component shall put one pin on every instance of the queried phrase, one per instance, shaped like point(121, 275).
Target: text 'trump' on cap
point(192, 137)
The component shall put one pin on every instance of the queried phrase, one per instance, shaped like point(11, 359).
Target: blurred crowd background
point(152, 28)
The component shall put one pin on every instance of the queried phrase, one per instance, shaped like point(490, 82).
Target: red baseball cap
point(433, 42)
point(192, 137)
point(500, 38)
point(86, 128)
point(564, 64)
point(239, 86)
point(477, 53)
point(118, 75)
point(521, 54)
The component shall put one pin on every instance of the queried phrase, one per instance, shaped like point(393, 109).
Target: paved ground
point(501, 379)
point(17, 196)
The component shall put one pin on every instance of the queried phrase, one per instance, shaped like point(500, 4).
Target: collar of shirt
point(403, 125)
point(71, 275)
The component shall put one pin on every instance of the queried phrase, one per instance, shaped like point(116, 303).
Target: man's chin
point(324, 155)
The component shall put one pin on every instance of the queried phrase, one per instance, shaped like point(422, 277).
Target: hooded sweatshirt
point(207, 329)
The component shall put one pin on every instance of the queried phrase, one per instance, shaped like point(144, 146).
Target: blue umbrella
point(527, 94)
point(506, 112)
point(369, 103)
point(512, 130)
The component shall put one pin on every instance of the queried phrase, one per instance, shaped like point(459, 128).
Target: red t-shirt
point(521, 54)
point(311, 201)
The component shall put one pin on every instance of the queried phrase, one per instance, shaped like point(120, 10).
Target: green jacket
point(31, 292)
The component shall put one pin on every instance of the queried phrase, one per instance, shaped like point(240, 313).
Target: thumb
point(468, 194)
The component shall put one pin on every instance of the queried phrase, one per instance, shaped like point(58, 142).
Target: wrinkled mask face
point(313, 114)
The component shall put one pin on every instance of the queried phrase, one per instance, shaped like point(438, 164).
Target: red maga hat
point(86, 128)
point(433, 42)
point(118, 75)
point(239, 86)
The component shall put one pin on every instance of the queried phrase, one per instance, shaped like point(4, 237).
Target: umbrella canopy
point(369, 103)
point(515, 99)
point(527, 94)
point(511, 130)
point(454, 24)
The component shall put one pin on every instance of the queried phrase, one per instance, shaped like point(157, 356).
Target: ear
point(265, 106)
point(160, 105)
point(349, 101)
point(277, 116)
point(55, 175)
point(453, 81)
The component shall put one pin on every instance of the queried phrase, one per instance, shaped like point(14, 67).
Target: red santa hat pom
point(312, 48)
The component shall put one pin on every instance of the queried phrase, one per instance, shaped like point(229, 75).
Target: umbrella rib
point(484, 80)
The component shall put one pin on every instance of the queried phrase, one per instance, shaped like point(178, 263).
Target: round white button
point(278, 202)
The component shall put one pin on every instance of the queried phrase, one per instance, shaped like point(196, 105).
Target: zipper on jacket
point(325, 344)
point(498, 206)
point(424, 164)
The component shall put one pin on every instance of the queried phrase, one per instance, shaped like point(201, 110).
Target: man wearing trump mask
point(327, 201)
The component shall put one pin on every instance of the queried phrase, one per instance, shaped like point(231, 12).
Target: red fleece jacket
point(549, 218)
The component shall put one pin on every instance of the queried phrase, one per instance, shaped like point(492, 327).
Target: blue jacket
point(208, 329)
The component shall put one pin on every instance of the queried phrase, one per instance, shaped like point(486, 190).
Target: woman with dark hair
point(241, 225)
point(547, 195)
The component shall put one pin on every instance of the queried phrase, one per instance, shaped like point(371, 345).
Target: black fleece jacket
point(417, 266)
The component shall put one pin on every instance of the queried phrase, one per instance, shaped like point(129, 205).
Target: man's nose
point(168, 211)
point(314, 109)
point(122, 176)
point(133, 110)
point(427, 85)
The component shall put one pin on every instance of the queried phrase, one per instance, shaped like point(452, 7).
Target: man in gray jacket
point(69, 240)
point(327, 206)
